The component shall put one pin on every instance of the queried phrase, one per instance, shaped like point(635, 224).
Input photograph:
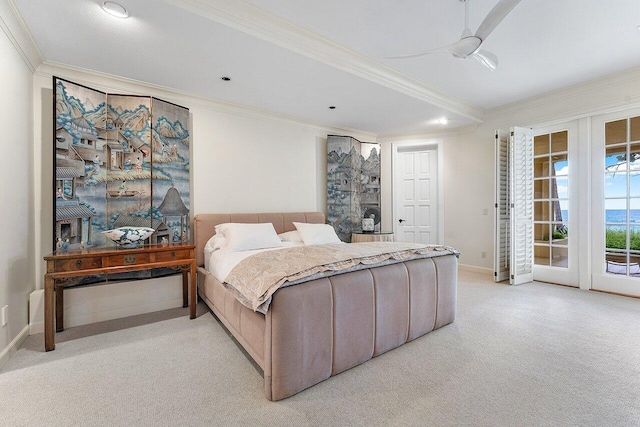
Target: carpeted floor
point(536, 354)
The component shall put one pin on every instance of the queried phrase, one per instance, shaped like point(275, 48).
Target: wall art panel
point(119, 160)
point(353, 184)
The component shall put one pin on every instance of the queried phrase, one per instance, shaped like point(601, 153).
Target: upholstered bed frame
point(325, 326)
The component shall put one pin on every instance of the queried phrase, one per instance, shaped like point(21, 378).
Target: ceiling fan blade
point(494, 17)
point(448, 48)
point(426, 52)
point(486, 58)
point(460, 49)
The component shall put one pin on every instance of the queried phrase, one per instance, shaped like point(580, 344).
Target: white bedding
point(220, 262)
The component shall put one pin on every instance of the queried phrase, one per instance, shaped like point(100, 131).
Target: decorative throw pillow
point(218, 241)
point(221, 229)
point(291, 236)
point(317, 234)
point(247, 237)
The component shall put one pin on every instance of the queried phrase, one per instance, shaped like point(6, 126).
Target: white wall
point(468, 179)
point(246, 165)
point(16, 243)
point(243, 161)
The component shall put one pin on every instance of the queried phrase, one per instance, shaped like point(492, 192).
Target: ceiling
point(300, 57)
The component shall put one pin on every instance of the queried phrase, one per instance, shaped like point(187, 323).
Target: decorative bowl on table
point(129, 237)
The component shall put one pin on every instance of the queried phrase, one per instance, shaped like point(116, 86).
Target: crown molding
point(427, 134)
point(252, 20)
point(12, 23)
point(110, 82)
point(586, 90)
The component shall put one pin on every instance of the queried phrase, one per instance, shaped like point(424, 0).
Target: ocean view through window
point(622, 197)
point(551, 199)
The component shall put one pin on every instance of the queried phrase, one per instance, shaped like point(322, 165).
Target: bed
point(322, 327)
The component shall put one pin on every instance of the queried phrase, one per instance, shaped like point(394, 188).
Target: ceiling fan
point(469, 44)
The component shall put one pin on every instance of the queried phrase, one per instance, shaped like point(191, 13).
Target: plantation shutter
point(521, 186)
point(513, 257)
point(501, 259)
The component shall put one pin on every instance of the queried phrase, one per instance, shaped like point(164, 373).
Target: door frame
point(431, 145)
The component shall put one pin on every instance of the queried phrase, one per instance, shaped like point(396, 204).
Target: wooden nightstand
point(63, 265)
point(376, 236)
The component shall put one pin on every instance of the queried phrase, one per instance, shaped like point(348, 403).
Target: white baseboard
point(474, 269)
point(36, 312)
point(7, 353)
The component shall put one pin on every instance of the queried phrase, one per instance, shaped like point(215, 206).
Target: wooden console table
point(63, 265)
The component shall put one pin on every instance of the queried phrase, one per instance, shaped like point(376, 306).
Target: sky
point(615, 176)
point(616, 183)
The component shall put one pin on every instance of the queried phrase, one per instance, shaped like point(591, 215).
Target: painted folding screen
point(119, 160)
point(353, 184)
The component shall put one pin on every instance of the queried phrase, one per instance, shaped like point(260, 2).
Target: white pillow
point(291, 236)
point(247, 237)
point(317, 234)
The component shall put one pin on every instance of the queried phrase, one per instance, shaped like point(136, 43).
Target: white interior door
point(416, 195)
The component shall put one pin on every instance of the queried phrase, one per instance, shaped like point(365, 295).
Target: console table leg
point(59, 308)
point(185, 288)
point(49, 332)
point(194, 292)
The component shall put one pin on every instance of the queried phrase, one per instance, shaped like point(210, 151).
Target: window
point(551, 199)
point(622, 197)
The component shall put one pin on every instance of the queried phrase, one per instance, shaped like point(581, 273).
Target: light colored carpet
point(536, 354)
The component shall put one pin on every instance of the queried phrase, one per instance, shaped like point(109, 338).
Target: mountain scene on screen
point(353, 183)
point(119, 161)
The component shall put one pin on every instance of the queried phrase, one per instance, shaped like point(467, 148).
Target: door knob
point(401, 221)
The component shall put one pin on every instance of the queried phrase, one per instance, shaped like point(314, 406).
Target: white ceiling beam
point(252, 20)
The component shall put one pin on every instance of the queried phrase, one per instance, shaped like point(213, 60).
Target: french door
point(556, 185)
point(586, 204)
point(615, 203)
point(537, 221)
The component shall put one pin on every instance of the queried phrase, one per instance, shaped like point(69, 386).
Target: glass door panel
point(615, 132)
point(616, 202)
point(635, 128)
point(560, 142)
point(551, 194)
point(622, 211)
point(555, 246)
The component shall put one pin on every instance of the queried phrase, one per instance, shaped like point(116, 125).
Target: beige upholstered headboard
point(204, 224)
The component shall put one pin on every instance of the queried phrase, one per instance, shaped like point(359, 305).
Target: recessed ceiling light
point(226, 79)
point(333, 107)
point(442, 121)
point(115, 9)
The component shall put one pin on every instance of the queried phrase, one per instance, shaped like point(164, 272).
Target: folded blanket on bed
point(255, 279)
